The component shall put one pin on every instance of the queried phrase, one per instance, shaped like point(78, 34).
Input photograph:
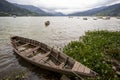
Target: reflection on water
point(61, 31)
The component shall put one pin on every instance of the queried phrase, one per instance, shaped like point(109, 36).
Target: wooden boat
point(106, 18)
point(100, 17)
point(70, 16)
point(118, 17)
point(94, 18)
point(48, 58)
point(85, 19)
point(14, 16)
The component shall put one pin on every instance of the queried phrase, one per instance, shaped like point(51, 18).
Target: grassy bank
point(100, 51)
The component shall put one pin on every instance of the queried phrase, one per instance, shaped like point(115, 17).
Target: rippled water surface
point(61, 31)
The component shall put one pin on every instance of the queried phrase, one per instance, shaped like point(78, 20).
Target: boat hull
point(45, 67)
point(74, 66)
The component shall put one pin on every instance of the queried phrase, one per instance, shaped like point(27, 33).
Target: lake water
point(61, 31)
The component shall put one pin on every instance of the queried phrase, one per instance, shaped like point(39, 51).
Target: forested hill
point(34, 9)
point(7, 9)
point(113, 10)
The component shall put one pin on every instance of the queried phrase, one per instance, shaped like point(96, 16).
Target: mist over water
point(60, 32)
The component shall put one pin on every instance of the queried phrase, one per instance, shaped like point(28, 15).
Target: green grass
point(15, 75)
point(3, 14)
point(97, 50)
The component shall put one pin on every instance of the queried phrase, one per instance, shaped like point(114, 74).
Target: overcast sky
point(66, 6)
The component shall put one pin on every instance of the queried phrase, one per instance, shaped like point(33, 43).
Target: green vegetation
point(100, 51)
point(4, 14)
point(16, 75)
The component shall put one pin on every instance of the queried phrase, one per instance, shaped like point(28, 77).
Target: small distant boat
point(85, 19)
point(100, 17)
point(118, 17)
point(94, 18)
point(47, 23)
point(14, 16)
point(70, 16)
point(48, 58)
point(106, 18)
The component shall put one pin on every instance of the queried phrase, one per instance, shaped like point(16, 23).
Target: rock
point(114, 68)
point(118, 73)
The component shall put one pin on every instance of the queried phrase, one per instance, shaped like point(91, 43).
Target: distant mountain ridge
point(113, 10)
point(38, 10)
point(88, 12)
point(34, 9)
point(7, 9)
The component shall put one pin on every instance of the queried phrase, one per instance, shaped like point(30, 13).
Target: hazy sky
point(66, 6)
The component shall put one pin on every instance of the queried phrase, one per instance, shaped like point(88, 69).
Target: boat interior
point(41, 53)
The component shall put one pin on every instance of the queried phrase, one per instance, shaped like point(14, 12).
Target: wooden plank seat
point(23, 45)
point(43, 60)
point(29, 50)
point(61, 65)
point(51, 63)
point(16, 41)
point(58, 66)
point(22, 48)
point(40, 56)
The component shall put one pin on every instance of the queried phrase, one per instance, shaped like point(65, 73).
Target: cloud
point(106, 3)
point(109, 2)
point(66, 6)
